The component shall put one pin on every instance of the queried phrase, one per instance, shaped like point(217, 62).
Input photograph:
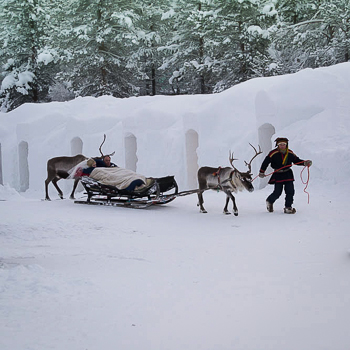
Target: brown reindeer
point(58, 167)
point(227, 180)
point(61, 164)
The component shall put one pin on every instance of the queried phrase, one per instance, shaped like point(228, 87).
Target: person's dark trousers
point(288, 189)
point(134, 184)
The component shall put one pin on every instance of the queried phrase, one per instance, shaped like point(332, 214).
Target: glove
point(308, 163)
point(262, 175)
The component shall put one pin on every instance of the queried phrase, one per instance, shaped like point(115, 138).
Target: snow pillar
point(130, 146)
point(23, 166)
point(265, 111)
point(192, 158)
point(265, 133)
point(76, 146)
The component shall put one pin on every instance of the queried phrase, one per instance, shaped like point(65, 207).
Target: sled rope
point(185, 193)
point(306, 183)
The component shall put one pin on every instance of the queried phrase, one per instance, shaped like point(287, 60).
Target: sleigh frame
point(157, 191)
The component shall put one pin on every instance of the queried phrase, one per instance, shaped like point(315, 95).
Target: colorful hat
point(280, 140)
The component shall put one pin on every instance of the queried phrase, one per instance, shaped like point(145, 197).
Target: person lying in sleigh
point(121, 178)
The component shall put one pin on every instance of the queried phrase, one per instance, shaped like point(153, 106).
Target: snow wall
point(174, 135)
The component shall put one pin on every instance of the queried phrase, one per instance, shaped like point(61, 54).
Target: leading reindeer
point(227, 180)
point(58, 167)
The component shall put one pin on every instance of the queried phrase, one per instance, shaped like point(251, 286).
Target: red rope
point(301, 177)
point(306, 183)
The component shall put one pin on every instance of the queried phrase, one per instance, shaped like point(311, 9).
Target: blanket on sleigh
point(117, 177)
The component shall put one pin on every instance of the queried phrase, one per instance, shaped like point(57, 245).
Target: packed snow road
point(168, 277)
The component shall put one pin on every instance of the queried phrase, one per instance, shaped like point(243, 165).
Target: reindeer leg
point(60, 193)
point(225, 211)
point(47, 181)
point(200, 203)
point(233, 199)
point(235, 209)
point(74, 188)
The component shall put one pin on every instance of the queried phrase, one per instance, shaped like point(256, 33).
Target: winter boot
point(289, 210)
point(269, 206)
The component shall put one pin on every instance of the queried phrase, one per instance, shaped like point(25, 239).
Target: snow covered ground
point(79, 277)
point(88, 277)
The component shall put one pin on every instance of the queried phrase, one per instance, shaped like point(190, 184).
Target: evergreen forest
point(56, 50)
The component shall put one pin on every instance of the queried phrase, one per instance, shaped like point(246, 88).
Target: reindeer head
point(245, 178)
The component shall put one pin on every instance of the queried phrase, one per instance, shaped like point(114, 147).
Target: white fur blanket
point(117, 177)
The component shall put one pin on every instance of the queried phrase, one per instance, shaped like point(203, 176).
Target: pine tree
point(124, 48)
point(189, 51)
point(218, 43)
point(244, 40)
point(26, 56)
point(336, 31)
point(148, 32)
point(94, 46)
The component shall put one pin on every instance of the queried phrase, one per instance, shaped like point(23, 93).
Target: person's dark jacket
point(101, 163)
point(275, 159)
point(87, 171)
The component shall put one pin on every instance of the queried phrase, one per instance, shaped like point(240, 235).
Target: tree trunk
point(201, 59)
point(153, 80)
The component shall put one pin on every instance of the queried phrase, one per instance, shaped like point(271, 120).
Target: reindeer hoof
point(235, 214)
point(203, 211)
point(226, 212)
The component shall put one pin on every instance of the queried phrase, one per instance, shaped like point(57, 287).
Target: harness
point(229, 179)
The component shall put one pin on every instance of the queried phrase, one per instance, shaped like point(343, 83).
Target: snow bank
point(174, 135)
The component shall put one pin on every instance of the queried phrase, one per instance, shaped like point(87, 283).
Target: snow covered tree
point(218, 43)
point(297, 27)
point(26, 57)
point(189, 52)
point(295, 11)
point(147, 34)
point(313, 34)
point(53, 48)
point(336, 31)
point(94, 44)
point(245, 38)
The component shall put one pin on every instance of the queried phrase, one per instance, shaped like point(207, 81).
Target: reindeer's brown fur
point(223, 179)
point(227, 180)
point(63, 164)
point(58, 167)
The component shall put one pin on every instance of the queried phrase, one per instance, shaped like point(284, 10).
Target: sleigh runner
point(156, 191)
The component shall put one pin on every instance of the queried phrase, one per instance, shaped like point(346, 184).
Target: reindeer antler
point(102, 155)
point(231, 159)
point(256, 154)
point(104, 139)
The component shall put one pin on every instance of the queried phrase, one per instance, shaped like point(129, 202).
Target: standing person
point(282, 157)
